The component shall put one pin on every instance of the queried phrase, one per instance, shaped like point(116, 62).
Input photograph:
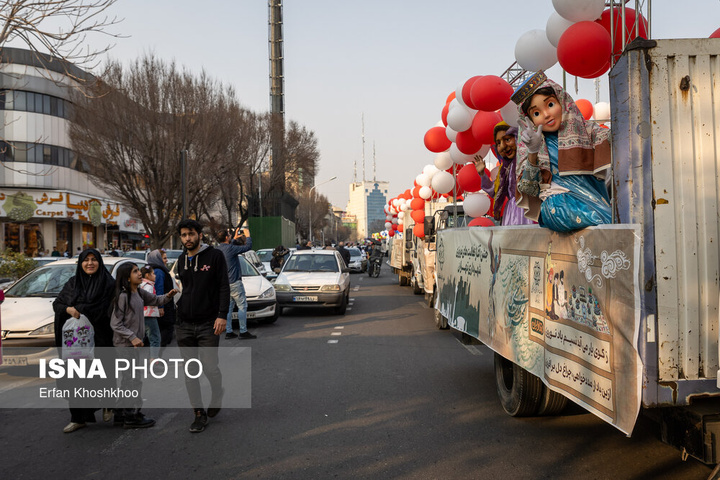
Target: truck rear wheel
point(551, 403)
point(415, 287)
point(520, 391)
point(440, 321)
point(402, 280)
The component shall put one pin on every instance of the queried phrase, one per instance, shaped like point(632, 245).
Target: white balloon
point(460, 118)
point(579, 10)
point(423, 180)
point(458, 157)
point(394, 221)
point(602, 111)
point(443, 182)
point(556, 26)
point(476, 204)
point(458, 94)
point(430, 170)
point(400, 221)
point(450, 134)
point(425, 192)
point(388, 217)
point(386, 208)
point(443, 161)
point(388, 225)
point(533, 51)
point(401, 215)
point(510, 113)
point(483, 150)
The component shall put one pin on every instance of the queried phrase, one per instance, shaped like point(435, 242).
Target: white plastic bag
point(78, 338)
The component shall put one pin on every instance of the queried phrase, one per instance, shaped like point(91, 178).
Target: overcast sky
point(394, 61)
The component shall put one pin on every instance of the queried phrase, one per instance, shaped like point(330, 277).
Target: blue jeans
point(152, 330)
point(191, 336)
point(237, 297)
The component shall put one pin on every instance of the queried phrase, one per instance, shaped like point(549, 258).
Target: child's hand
point(531, 137)
point(137, 342)
point(172, 293)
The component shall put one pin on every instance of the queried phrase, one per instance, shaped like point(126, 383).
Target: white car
point(314, 278)
point(260, 294)
point(265, 255)
point(28, 319)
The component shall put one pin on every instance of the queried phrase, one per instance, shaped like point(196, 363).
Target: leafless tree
point(316, 207)
point(131, 132)
point(58, 28)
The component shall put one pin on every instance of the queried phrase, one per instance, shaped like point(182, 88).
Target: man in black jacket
point(201, 315)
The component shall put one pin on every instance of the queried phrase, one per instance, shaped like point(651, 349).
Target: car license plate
point(14, 361)
point(305, 298)
point(250, 314)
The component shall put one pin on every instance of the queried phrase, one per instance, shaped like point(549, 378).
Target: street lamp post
point(310, 206)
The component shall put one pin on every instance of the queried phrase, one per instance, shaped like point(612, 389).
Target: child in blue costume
point(562, 159)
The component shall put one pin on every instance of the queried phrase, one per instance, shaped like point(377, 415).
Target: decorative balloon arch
point(585, 37)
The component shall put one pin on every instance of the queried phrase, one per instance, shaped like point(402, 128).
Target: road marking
point(357, 287)
point(340, 327)
point(352, 299)
point(19, 383)
point(348, 308)
point(127, 435)
point(336, 333)
point(332, 341)
point(471, 348)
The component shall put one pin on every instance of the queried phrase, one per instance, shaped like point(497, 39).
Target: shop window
point(12, 236)
point(64, 236)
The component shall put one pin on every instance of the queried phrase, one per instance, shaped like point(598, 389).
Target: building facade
point(46, 197)
point(366, 204)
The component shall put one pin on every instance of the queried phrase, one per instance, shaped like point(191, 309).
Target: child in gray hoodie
point(128, 324)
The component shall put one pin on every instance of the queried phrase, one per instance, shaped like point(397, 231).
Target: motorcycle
point(374, 267)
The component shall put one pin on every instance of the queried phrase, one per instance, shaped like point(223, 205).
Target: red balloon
point(481, 222)
point(602, 71)
point(444, 114)
point(715, 34)
point(407, 195)
point(585, 107)
point(391, 233)
point(419, 230)
point(460, 198)
point(450, 98)
point(417, 204)
point(436, 140)
point(466, 91)
point(418, 215)
point(490, 93)
point(482, 128)
point(630, 34)
point(469, 179)
point(416, 190)
point(584, 48)
point(467, 143)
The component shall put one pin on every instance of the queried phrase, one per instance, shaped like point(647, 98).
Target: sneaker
point(199, 424)
point(215, 405)
point(246, 336)
point(230, 335)
point(107, 414)
point(138, 421)
point(72, 426)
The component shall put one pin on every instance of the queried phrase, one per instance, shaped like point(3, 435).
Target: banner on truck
point(563, 306)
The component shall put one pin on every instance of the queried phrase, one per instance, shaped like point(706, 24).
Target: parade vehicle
point(622, 319)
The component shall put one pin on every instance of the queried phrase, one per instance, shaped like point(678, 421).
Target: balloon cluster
point(578, 35)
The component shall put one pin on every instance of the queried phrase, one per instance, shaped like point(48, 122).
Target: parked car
point(260, 294)
point(252, 257)
point(314, 278)
point(358, 260)
point(27, 313)
point(265, 255)
point(139, 254)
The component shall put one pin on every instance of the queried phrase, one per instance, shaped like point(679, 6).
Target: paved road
point(377, 393)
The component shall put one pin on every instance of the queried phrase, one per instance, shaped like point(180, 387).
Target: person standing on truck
point(562, 159)
point(505, 208)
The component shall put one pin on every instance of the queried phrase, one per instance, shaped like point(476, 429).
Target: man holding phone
point(231, 248)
